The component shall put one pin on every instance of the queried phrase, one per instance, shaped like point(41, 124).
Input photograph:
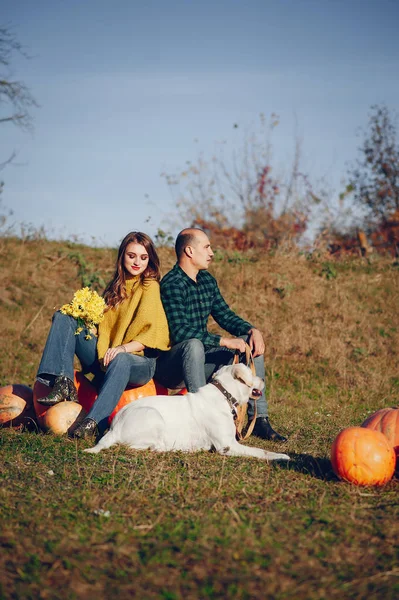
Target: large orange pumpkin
point(39, 391)
point(16, 405)
point(152, 388)
point(87, 395)
point(386, 420)
point(363, 456)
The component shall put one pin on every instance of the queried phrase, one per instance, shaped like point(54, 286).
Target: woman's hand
point(111, 353)
point(129, 347)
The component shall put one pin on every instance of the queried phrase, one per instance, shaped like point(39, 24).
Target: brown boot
point(73, 394)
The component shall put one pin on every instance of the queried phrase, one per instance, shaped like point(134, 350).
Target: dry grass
point(203, 526)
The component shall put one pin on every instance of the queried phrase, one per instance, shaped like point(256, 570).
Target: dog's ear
point(243, 373)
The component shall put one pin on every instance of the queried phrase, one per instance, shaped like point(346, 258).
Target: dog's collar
point(232, 402)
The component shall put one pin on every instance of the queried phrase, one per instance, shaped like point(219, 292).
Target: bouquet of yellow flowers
point(87, 307)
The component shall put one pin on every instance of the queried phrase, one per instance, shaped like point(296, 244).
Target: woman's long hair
point(115, 291)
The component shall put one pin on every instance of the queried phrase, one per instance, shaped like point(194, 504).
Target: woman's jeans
point(123, 371)
point(191, 364)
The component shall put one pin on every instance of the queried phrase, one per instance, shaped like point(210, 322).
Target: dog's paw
point(276, 456)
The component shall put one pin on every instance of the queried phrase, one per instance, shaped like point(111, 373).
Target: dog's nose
point(258, 383)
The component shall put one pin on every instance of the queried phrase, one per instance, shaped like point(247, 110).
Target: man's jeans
point(124, 370)
point(189, 364)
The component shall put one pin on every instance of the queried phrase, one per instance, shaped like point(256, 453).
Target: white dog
point(200, 421)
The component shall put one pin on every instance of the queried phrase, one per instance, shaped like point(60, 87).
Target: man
point(190, 295)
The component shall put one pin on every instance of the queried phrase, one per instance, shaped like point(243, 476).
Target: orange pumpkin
point(87, 395)
point(363, 456)
point(386, 420)
point(152, 388)
point(39, 391)
point(16, 405)
point(59, 418)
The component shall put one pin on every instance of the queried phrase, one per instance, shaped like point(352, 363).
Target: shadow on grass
point(320, 468)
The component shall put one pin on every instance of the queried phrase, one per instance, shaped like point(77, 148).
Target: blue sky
point(128, 90)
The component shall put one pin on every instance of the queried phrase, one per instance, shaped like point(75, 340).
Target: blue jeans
point(189, 364)
point(125, 370)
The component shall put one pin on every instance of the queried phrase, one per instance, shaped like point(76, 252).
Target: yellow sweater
point(140, 317)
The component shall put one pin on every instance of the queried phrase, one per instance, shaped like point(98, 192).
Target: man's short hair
point(185, 238)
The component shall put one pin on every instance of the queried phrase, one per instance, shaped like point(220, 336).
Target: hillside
point(133, 524)
point(331, 328)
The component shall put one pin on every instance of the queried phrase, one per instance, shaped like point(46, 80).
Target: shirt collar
point(185, 277)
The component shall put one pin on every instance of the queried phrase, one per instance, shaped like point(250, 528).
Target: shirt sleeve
point(180, 326)
point(226, 318)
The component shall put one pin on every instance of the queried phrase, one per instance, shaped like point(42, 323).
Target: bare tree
point(238, 196)
point(15, 98)
point(375, 178)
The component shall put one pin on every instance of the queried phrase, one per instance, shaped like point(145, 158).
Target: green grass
point(126, 524)
point(138, 524)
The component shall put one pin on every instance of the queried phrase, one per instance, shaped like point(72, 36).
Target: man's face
point(201, 251)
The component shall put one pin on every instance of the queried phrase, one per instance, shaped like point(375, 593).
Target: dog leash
point(241, 411)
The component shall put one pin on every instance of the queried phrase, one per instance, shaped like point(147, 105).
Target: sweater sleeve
point(149, 326)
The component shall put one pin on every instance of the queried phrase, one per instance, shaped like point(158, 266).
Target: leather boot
point(264, 430)
point(73, 394)
point(59, 392)
point(85, 430)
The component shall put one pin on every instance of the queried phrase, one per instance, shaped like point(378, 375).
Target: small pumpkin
point(59, 418)
point(87, 395)
point(363, 457)
point(16, 405)
point(386, 420)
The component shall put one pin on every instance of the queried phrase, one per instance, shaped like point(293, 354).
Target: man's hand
point(256, 342)
point(233, 343)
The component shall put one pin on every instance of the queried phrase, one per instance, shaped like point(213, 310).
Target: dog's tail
point(106, 441)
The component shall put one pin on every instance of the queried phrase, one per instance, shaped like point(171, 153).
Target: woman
point(133, 330)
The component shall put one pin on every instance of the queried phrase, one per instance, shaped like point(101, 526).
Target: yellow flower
point(87, 307)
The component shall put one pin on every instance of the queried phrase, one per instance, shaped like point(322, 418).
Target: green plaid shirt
point(188, 305)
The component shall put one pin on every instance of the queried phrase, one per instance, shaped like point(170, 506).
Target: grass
point(126, 524)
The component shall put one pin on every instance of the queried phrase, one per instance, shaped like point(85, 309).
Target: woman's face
point(135, 260)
